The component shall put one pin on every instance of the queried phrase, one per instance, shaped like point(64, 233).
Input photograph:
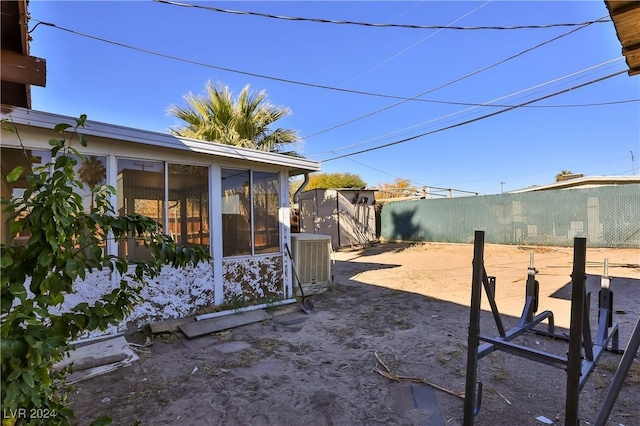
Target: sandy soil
point(407, 304)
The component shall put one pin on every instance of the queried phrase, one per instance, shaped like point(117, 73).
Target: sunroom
point(234, 202)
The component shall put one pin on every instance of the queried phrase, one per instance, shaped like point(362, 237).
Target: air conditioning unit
point(312, 255)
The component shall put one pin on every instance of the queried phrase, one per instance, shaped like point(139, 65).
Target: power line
point(450, 82)
point(487, 103)
point(412, 46)
point(528, 106)
point(437, 188)
point(418, 42)
point(231, 70)
point(477, 118)
point(252, 74)
point(369, 24)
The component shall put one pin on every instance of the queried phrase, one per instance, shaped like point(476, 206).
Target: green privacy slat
point(607, 216)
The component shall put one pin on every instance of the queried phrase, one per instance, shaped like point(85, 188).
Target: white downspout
point(296, 194)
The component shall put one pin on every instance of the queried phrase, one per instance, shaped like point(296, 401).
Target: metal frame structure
point(619, 377)
point(578, 365)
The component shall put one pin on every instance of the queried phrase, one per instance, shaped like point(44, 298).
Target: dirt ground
point(404, 306)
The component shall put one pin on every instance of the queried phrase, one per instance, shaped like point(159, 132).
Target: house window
point(91, 172)
point(12, 158)
point(250, 205)
point(189, 205)
point(140, 190)
point(236, 214)
point(265, 212)
point(181, 206)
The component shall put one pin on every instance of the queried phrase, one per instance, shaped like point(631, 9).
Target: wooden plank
point(23, 69)
point(168, 326)
point(213, 325)
point(93, 362)
point(97, 358)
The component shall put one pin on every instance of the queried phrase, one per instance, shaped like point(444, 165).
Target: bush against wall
point(65, 243)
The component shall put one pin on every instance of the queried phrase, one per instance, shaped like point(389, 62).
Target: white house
point(232, 201)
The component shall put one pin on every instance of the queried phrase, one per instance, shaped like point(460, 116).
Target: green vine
point(65, 244)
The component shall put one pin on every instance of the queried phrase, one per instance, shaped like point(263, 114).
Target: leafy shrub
point(65, 244)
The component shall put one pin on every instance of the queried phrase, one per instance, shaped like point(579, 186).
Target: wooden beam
point(24, 26)
point(23, 69)
point(623, 7)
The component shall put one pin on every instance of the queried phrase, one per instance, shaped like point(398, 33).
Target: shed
point(232, 201)
point(346, 214)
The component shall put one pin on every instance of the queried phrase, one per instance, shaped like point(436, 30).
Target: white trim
point(248, 308)
point(215, 231)
point(165, 202)
point(285, 237)
point(93, 128)
point(112, 180)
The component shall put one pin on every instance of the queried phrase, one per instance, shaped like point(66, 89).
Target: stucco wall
point(253, 279)
point(175, 293)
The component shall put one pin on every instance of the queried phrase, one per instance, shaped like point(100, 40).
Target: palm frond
point(244, 121)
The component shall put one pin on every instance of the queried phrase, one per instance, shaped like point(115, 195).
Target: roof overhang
point(18, 69)
point(45, 120)
point(626, 20)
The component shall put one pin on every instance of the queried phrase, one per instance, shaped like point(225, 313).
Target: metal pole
point(574, 359)
point(474, 329)
point(619, 376)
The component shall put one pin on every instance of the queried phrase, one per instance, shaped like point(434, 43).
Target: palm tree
point(244, 121)
point(93, 173)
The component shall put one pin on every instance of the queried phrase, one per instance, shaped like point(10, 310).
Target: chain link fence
point(608, 216)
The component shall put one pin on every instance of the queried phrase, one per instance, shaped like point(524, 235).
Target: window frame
point(113, 159)
point(252, 252)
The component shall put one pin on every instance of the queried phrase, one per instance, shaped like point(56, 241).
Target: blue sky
point(522, 147)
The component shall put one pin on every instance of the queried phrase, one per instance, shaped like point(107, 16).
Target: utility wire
point(478, 118)
point(551, 40)
point(369, 24)
point(487, 103)
point(252, 74)
point(433, 34)
point(417, 183)
point(496, 106)
point(418, 42)
point(231, 70)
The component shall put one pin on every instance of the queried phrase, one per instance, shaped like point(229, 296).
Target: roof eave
point(625, 15)
point(46, 120)
point(578, 182)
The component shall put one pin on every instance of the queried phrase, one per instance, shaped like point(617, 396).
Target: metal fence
point(608, 216)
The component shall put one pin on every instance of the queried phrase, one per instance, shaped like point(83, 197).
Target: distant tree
point(245, 121)
point(560, 176)
point(398, 188)
point(335, 180)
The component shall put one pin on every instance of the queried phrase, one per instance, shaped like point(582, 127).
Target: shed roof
point(45, 120)
point(626, 19)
